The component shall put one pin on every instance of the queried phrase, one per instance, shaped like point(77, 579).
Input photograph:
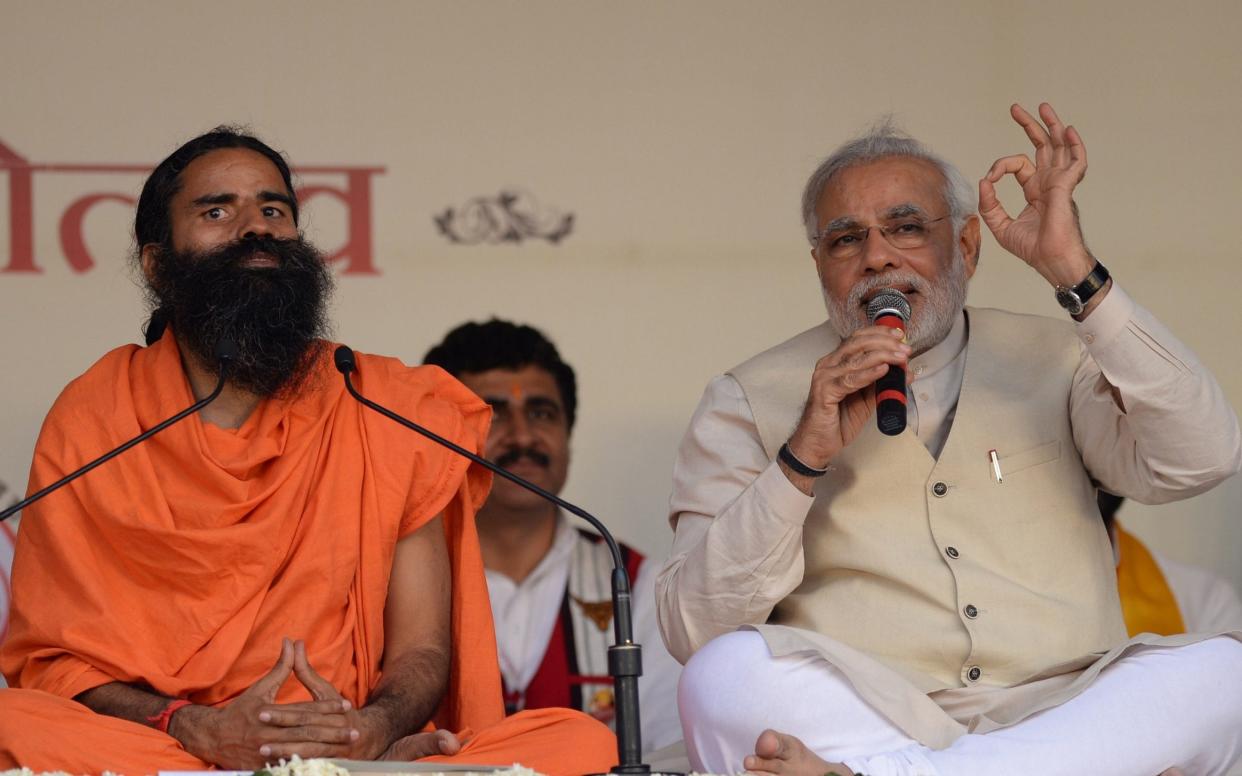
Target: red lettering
point(21, 211)
point(71, 241)
point(356, 196)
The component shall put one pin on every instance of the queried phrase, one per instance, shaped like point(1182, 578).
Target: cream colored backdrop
point(679, 134)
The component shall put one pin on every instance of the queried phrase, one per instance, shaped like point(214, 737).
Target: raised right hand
point(234, 736)
point(842, 396)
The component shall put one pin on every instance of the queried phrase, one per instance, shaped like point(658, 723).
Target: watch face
point(1069, 300)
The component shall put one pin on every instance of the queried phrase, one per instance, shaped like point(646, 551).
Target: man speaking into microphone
point(942, 601)
point(284, 573)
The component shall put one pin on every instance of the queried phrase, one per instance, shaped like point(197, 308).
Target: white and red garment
point(553, 631)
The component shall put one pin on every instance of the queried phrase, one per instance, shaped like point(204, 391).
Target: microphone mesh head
point(889, 301)
point(343, 356)
point(226, 349)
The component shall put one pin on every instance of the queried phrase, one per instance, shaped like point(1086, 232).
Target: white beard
point(942, 299)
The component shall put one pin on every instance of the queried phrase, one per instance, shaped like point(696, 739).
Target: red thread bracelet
point(160, 721)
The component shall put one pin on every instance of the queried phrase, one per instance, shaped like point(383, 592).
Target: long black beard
point(276, 315)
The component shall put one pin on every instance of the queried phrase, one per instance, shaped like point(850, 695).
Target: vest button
point(951, 552)
point(971, 611)
point(940, 489)
point(974, 673)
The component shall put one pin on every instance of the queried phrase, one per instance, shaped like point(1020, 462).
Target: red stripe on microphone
point(891, 321)
point(890, 394)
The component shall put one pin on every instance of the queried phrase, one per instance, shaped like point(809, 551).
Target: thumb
point(991, 210)
point(321, 689)
point(271, 682)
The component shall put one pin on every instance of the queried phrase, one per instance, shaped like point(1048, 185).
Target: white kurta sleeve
point(737, 521)
point(657, 687)
point(1150, 421)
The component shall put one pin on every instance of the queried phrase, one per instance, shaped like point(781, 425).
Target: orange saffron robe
point(183, 562)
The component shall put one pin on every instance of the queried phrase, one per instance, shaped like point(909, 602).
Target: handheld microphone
point(624, 657)
point(890, 308)
point(226, 354)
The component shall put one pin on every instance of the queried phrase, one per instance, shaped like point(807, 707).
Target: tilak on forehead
point(515, 391)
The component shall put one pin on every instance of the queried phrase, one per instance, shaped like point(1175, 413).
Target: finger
point(309, 734)
point(851, 354)
point(321, 689)
point(331, 706)
point(1019, 165)
point(870, 337)
point(861, 365)
point(447, 742)
point(1034, 131)
point(270, 683)
point(853, 380)
point(285, 751)
point(1077, 151)
point(1056, 130)
point(283, 717)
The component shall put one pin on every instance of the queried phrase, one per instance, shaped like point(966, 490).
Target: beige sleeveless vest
point(932, 566)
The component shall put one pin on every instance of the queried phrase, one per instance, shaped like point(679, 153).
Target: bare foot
point(422, 745)
point(784, 754)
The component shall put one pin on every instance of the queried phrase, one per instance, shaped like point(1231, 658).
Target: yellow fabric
point(1147, 602)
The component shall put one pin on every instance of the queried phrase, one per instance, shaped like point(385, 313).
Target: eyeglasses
point(908, 233)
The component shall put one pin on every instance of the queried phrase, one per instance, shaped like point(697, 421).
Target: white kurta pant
point(1158, 708)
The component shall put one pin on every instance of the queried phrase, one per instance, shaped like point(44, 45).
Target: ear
point(149, 254)
point(969, 242)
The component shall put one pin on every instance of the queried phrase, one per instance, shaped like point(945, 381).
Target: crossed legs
point(1154, 710)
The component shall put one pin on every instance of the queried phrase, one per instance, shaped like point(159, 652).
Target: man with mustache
point(549, 580)
point(943, 601)
point(286, 573)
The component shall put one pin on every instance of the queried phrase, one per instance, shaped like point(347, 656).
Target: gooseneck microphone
point(890, 308)
point(226, 354)
point(624, 657)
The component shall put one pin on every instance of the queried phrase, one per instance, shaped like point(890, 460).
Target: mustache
point(289, 253)
point(895, 279)
point(516, 454)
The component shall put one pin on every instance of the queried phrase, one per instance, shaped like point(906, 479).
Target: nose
point(517, 430)
point(878, 254)
point(254, 224)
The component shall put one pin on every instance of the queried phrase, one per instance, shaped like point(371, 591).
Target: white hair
point(882, 141)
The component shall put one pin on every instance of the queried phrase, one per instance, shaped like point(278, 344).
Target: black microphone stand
point(625, 662)
point(226, 352)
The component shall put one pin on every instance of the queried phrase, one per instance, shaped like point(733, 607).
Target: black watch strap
point(789, 459)
point(1075, 299)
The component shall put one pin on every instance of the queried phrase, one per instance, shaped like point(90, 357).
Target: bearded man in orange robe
point(285, 572)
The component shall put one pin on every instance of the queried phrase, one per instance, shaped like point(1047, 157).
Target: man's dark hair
point(496, 344)
point(1108, 504)
point(153, 223)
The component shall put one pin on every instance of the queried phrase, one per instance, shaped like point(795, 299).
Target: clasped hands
point(254, 729)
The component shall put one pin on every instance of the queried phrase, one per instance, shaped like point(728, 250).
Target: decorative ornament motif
point(512, 216)
point(598, 612)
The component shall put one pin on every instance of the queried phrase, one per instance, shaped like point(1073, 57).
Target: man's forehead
point(882, 188)
point(231, 171)
point(518, 385)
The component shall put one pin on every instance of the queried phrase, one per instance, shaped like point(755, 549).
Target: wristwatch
point(1075, 299)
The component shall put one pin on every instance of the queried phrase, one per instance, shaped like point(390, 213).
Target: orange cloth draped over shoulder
point(181, 564)
point(1147, 602)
